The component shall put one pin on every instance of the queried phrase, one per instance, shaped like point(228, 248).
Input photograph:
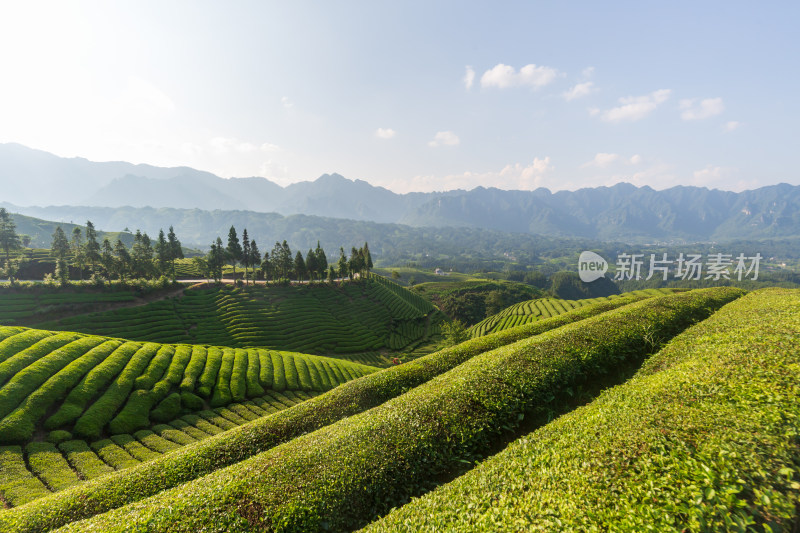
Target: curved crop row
point(236, 445)
point(340, 476)
point(703, 439)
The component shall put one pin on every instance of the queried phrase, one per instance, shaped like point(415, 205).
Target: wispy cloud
point(633, 108)
point(694, 110)
point(384, 133)
point(469, 77)
point(288, 104)
point(505, 76)
point(444, 138)
point(603, 159)
point(579, 91)
point(511, 177)
point(732, 125)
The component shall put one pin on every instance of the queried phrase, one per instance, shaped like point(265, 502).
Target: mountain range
point(622, 212)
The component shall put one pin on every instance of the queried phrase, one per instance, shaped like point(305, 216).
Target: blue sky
point(413, 95)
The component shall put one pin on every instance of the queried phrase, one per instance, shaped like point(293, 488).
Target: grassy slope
point(193, 461)
point(348, 318)
point(531, 310)
point(342, 475)
point(704, 438)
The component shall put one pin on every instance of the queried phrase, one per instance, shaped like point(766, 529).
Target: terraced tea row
point(193, 461)
point(40, 468)
point(86, 386)
point(23, 307)
point(350, 318)
point(342, 475)
point(703, 439)
point(532, 310)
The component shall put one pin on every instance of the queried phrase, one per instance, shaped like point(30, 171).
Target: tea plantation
point(74, 406)
point(649, 411)
point(354, 320)
point(531, 310)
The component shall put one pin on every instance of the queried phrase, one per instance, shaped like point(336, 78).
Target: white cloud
point(588, 72)
point(732, 125)
point(505, 76)
point(444, 138)
point(602, 159)
point(384, 133)
point(704, 109)
point(469, 77)
point(579, 91)
point(288, 104)
point(634, 108)
point(510, 177)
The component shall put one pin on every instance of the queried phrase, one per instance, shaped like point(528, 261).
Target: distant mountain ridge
point(622, 212)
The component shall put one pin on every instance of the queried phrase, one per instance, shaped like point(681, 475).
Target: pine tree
point(342, 264)
point(76, 247)
point(322, 261)
point(311, 264)
point(9, 240)
point(266, 267)
point(175, 249)
point(162, 252)
point(287, 265)
point(299, 266)
point(60, 250)
point(123, 262)
point(92, 248)
point(367, 258)
point(234, 249)
point(107, 258)
point(245, 253)
point(255, 258)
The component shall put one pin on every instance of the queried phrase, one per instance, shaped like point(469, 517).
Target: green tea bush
point(209, 376)
point(704, 438)
point(47, 463)
point(83, 459)
point(342, 475)
point(17, 484)
point(236, 445)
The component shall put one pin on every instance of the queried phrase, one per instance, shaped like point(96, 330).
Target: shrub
point(238, 444)
point(671, 450)
point(340, 476)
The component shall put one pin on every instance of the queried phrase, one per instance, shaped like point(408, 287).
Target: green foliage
point(391, 452)
point(236, 445)
point(704, 438)
point(532, 310)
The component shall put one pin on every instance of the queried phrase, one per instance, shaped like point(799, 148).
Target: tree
point(322, 261)
point(92, 248)
point(122, 262)
point(107, 257)
point(255, 258)
point(162, 252)
point(234, 249)
point(287, 265)
point(60, 250)
point(454, 332)
point(142, 254)
point(342, 263)
point(331, 274)
point(311, 264)
point(367, 258)
point(9, 240)
point(266, 267)
point(76, 247)
point(175, 249)
point(216, 260)
point(245, 253)
point(299, 266)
